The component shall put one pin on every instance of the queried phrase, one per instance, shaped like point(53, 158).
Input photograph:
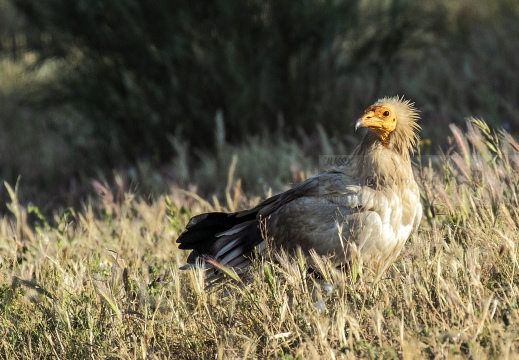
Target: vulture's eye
point(385, 113)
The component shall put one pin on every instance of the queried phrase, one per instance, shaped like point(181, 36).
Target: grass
point(103, 281)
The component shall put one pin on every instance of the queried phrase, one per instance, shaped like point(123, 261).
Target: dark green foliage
point(136, 86)
point(141, 70)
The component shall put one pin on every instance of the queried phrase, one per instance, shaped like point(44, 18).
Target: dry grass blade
point(32, 285)
point(453, 293)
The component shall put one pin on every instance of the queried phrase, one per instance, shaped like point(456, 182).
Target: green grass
point(103, 281)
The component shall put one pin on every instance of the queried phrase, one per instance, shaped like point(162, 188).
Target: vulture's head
point(393, 122)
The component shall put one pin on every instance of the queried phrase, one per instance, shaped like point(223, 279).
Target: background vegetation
point(89, 87)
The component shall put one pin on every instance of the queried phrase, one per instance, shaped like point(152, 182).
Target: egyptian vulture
point(371, 203)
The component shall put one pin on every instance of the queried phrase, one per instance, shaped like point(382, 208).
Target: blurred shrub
point(141, 70)
point(96, 85)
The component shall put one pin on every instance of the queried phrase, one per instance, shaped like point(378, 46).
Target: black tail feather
point(226, 238)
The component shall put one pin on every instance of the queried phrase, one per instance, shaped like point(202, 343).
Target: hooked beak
point(367, 120)
point(358, 124)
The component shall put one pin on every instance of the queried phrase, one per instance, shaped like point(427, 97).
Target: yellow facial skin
point(379, 119)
